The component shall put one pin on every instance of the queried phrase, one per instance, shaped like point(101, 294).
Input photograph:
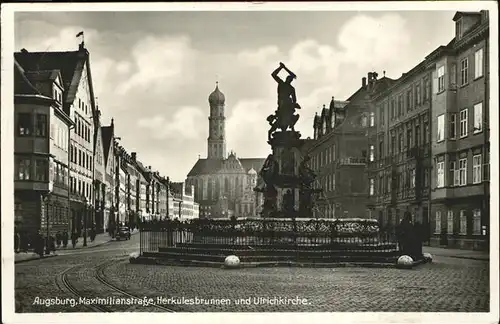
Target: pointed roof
point(107, 139)
point(70, 64)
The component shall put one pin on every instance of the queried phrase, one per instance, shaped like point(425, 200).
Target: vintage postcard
point(225, 161)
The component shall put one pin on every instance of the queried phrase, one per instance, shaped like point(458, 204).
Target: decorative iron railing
point(269, 233)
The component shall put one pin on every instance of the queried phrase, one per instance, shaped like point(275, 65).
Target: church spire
point(216, 123)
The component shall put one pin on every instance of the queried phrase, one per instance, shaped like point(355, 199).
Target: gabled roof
point(107, 139)
point(21, 83)
point(70, 65)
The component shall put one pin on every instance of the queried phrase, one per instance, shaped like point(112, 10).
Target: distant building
point(183, 205)
point(340, 154)
point(110, 208)
point(41, 151)
point(223, 184)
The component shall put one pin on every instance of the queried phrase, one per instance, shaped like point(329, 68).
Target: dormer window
point(332, 121)
point(459, 28)
point(324, 127)
point(57, 95)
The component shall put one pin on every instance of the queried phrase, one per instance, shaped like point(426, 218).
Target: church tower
point(217, 125)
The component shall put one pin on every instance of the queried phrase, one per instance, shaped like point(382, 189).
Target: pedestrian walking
point(39, 244)
point(58, 239)
point(92, 233)
point(74, 239)
point(65, 239)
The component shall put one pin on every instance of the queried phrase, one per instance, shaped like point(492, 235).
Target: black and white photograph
point(235, 158)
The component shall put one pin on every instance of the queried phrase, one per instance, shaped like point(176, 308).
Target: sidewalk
point(455, 253)
point(100, 239)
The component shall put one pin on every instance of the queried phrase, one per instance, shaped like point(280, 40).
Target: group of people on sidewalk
point(43, 245)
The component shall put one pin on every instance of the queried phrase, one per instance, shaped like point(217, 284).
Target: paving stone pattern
point(446, 285)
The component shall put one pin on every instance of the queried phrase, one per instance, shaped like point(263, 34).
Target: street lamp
point(85, 222)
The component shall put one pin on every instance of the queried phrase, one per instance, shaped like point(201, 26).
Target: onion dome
point(216, 97)
point(252, 171)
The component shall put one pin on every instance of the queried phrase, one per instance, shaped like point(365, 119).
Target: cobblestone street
point(446, 285)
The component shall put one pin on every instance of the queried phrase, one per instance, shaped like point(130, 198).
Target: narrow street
point(446, 285)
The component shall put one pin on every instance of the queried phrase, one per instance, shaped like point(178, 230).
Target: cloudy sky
point(153, 71)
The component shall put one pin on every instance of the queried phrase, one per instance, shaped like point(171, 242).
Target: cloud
point(159, 62)
point(184, 124)
point(157, 87)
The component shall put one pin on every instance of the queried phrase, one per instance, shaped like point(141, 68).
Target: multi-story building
point(78, 101)
point(221, 181)
point(109, 212)
point(182, 204)
point(99, 185)
point(460, 135)
point(399, 148)
point(41, 154)
point(339, 154)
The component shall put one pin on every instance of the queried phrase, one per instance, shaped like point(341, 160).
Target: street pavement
point(448, 284)
point(455, 253)
point(99, 240)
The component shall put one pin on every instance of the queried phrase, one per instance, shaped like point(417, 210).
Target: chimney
point(81, 47)
point(23, 50)
point(363, 82)
point(134, 156)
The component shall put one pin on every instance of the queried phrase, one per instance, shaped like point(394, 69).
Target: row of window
point(30, 168)
point(323, 158)
point(414, 138)
point(402, 180)
point(464, 71)
point(463, 123)
point(407, 101)
point(81, 157)
point(83, 129)
point(463, 222)
point(457, 175)
point(59, 133)
point(32, 124)
point(80, 187)
point(83, 106)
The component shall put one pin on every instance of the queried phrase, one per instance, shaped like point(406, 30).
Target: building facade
point(78, 102)
point(223, 183)
point(460, 136)
point(41, 152)
point(399, 148)
point(109, 212)
point(339, 156)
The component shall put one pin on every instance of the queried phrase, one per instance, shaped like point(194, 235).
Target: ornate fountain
point(285, 177)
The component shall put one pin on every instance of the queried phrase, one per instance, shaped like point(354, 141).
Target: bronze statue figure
point(306, 174)
point(268, 173)
point(285, 116)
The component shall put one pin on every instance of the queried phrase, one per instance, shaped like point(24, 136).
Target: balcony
point(352, 161)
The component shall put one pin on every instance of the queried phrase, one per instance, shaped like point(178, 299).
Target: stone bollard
point(133, 257)
point(232, 262)
point(405, 262)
